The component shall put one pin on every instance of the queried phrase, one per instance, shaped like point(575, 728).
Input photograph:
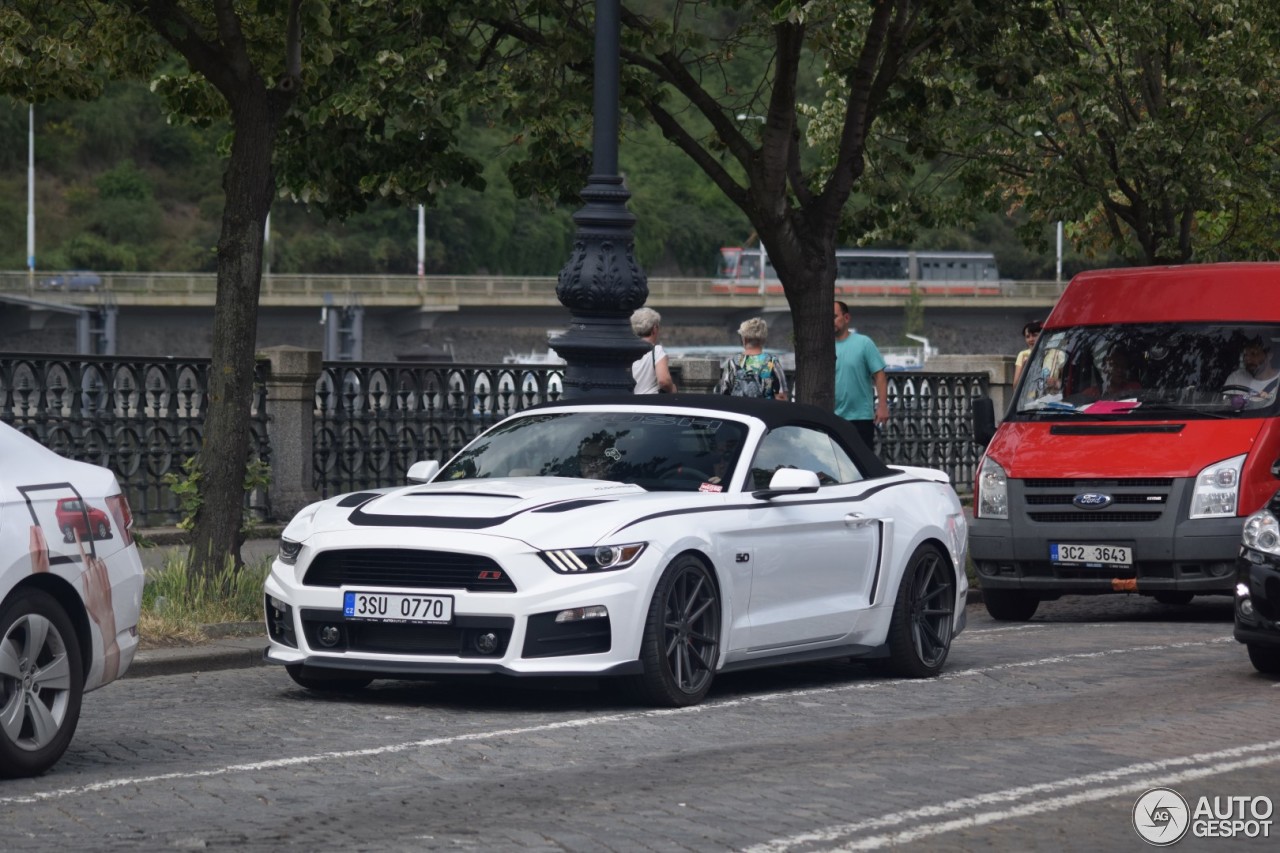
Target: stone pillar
point(999, 370)
point(695, 375)
point(291, 400)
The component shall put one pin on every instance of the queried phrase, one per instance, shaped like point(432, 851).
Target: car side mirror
point(984, 420)
point(788, 481)
point(422, 472)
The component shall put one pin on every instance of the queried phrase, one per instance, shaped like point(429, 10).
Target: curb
point(226, 653)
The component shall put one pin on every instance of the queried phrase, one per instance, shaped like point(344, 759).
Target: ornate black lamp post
point(602, 284)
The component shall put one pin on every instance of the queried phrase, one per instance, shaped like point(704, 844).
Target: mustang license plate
point(396, 607)
point(1109, 555)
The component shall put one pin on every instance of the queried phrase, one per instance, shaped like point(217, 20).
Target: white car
point(70, 592)
point(660, 539)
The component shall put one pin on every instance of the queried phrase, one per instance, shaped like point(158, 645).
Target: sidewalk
point(234, 645)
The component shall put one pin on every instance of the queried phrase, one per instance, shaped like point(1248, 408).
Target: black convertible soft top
point(774, 413)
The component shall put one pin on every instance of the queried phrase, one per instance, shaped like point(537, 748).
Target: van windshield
point(1208, 370)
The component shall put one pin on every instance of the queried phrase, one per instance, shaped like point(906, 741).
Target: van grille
point(1135, 500)
point(1094, 517)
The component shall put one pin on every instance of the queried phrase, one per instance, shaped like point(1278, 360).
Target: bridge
point(193, 290)
point(474, 318)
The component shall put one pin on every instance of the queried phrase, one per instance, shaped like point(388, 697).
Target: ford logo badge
point(1091, 500)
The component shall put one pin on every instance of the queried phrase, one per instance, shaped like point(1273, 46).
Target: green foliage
point(913, 313)
point(177, 603)
point(186, 488)
point(1147, 127)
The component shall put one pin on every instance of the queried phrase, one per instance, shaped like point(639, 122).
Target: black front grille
point(1094, 517)
point(409, 568)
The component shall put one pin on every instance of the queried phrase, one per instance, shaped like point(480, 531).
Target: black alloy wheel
point(923, 616)
point(681, 642)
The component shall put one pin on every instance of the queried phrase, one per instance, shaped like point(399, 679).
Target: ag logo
point(1161, 816)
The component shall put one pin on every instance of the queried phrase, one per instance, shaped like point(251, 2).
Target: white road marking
point(1222, 761)
point(970, 632)
point(584, 722)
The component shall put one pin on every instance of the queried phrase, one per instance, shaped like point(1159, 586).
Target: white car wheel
point(41, 683)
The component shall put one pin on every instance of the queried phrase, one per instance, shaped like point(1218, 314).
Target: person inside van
point(1119, 378)
point(1256, 374)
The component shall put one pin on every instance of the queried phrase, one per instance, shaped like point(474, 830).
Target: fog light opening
point(580, 614)
point(486, 643)
point(329, 636)
point(1246, 607)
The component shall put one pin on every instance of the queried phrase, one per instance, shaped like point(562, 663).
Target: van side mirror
point(984, 420)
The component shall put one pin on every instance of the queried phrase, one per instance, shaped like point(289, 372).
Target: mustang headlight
point(1262, 533)
point(289, 551)
point(1217, 489)
point(598, 558)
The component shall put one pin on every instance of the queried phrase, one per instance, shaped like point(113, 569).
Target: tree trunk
point(806, 269)
point(249, 186)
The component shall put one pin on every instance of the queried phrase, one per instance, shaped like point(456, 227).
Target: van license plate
point(394, 607)
point(1111, 555)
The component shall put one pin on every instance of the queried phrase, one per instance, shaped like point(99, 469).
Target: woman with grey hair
point(754, 373)
point(650, 370)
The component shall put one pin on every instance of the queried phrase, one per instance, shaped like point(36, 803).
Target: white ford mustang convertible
point(656, 539)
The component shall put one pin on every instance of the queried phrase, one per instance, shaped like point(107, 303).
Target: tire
point(104, 531)
point(923, 617)
point(1173, 597)
point(1010, 605)
point(681, 641)
point(41, 683)
point(1265, 659)
point(322, 682)
point(68, 534)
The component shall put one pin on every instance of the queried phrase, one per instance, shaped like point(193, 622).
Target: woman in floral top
point(754, 373)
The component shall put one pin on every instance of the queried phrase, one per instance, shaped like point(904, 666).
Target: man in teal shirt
point(859, 367)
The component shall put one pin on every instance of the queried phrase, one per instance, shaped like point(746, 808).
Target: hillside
point(118, 188)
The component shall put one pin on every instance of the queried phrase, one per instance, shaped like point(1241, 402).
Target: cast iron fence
point(143, 418)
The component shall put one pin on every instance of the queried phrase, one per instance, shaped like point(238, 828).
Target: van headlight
point(992, 500)
point(1262, 533)
point(1217, 489)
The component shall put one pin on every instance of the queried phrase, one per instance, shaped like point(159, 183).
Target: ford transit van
point(1143, 431)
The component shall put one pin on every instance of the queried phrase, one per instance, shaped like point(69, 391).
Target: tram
point(871, 271)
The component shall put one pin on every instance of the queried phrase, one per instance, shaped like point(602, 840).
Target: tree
point(355, 126)
point(1149, 127)
point(819, 74)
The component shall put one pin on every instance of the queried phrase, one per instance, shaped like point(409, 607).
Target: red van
point(75, 516)
point(1143, 431)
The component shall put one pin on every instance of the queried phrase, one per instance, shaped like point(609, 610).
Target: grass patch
point(177, 605)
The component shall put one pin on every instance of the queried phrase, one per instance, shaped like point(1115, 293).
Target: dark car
point(90, 281)
point(1258, 588)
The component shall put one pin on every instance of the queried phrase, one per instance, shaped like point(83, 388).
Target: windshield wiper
point(1168, 406)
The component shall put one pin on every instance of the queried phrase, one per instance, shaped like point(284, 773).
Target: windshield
point(1152, 370)
point(660, 452)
